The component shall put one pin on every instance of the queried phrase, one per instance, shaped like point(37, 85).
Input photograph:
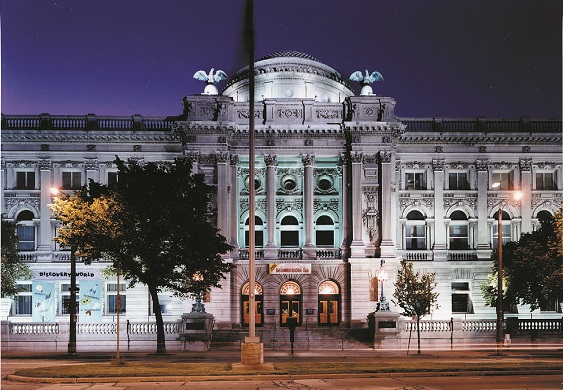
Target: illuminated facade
point(341, 184)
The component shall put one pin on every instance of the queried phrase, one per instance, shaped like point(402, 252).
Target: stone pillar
point(357, 246)
point(222, 193)
point(271, 249)
point(45, 229)
point(345, 204)
point(308, 161)
point(233, 202)
point(483, 244)
point(526, 201)
point(387, 244)
point(439, 248)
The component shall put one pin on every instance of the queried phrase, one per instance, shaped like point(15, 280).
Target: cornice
point(82, 138)
point(480, 139)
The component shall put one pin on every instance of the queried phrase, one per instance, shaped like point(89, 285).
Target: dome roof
point(289, 74)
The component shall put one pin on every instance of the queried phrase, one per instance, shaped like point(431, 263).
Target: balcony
point(418, 255)
point(460, 255)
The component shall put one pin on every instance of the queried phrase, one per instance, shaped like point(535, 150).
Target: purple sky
point(462, 58)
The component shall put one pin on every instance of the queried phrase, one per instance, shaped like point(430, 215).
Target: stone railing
point(479, 326)
point(243, 254)
point(481, 124)
point(290, 253)
point(328, 253)
point(467, 255)
point(428, 326)
point(34, 328)
point(96, 328)
point(418, 255)
point(150, 327)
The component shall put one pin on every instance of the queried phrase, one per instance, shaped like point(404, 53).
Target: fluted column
point(233, 201)
point(387, 244)
point(483, 244)
point(308, 161)
point(222, 184)
point(440, 234)
point(270, 251)
point(45, 229)
point(357, 246)
point(526, 202)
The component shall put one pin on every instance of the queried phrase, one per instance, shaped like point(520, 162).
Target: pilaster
point(308, 161)
point(271, 249)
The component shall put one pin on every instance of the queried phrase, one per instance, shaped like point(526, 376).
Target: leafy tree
point(154, 224)
point(415, 294)
point(13, 269)
point(532, 267)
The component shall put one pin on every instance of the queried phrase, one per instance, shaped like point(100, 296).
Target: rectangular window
point(545, 181)
point(26, 235)
point(112, 178)
point(23, 302)
point(505, 180)
point(258, 238)
point(325, 238)
point(458, 181)
point(461, 301)
point(415, 181)
point(25, 180)
point(506, 236)
point(72, 180)
point(415, 237)
point(289, 239)
point(459, 239)
point(111, 298)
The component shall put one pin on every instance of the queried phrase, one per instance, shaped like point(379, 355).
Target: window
point(25, 180)
point(112, 178)
point(415, 231)
point(459, 231)
point(111, 298)
point(25, 231)
point(505, 180)
point(258, 232)
point(72, 180)
point(324, 234)
point(415, 181)
point(289, 235)
point(165, 302)
point(65, 299)
point(458, 181)
point(545, 181)
point(506, 235)
point(461, 301)
point(23, 302)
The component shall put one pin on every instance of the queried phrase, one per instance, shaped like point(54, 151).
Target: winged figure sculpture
point(365, 80)
point(210, 79)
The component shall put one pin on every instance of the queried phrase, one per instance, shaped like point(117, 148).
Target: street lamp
point(55, 192)
point(383, 276)
point(517, 195)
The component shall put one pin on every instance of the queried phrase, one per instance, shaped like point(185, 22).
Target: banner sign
point(289, 268)
point(90, 301)
point(65, 275)
point(43, 302)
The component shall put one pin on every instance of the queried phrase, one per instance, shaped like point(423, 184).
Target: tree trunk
point(160, 340)
point(418, 332)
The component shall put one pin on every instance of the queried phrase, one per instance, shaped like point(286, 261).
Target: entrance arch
point(329, 303)
point(290, 302)
point(245, 299)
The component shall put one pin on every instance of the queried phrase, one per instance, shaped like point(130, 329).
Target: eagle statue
point(365, 80)
point(210, 79)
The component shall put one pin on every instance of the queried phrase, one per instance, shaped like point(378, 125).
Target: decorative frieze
point(331, 204)
point(245, 114)
point(289, 205)
point(328, 114)
point(91, 164)
point(288, 113)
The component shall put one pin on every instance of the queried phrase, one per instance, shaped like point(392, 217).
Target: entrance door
point(258, 310)
point(329, 303)
point(290, 302)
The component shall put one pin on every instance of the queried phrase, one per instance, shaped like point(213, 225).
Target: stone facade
point(341, 184)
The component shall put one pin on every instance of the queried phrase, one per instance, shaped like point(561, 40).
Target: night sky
point(448, 58)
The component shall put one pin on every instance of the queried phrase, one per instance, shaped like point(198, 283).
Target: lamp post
point(517, 195)
point(55, 192)
point(383, 276)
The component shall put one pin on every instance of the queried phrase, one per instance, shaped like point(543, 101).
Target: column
point(357, 247)
point(526, 201)
point(439, 248)
point(345, 204)
point(271, 250)
point(45, 232)
point(387, 244)
point(222, 188)
point(233, 202)
point(309, 247)
point(483, 244)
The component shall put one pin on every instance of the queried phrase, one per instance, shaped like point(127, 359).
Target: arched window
point(26, 231)
point(459, 231)
point(258, 232)
point(324, 233)
point(289, 232)
point(506, 231)
point(415, 231)
point(544, 216)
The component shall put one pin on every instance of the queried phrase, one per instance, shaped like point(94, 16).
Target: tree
point(155, 225)
point(532, 267)
point(13, 269)
point(415, 294)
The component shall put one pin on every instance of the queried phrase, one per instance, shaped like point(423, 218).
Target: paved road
point(394, 382)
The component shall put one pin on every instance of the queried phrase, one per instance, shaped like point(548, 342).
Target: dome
point(289, 74)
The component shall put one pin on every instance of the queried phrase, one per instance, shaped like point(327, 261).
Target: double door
point(290, 307)
point(328, 311)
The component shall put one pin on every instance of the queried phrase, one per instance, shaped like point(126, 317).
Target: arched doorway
point(290, 302)
point(329, 303)
point(245, 298)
